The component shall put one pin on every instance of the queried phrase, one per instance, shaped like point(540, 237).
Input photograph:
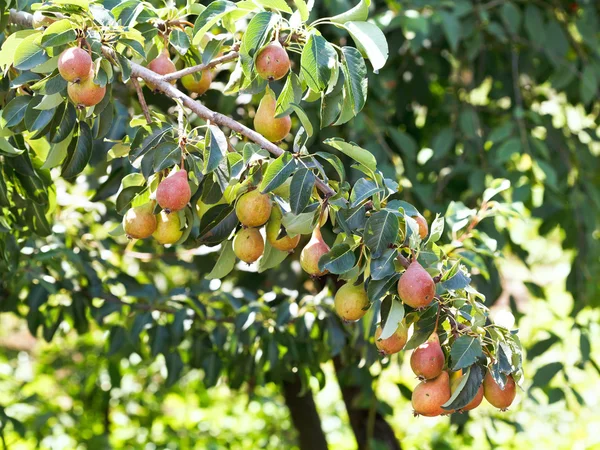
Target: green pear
point(253, 209)
point(265, 122)
point(140, 222)
point(168, 228)
point(351, 302)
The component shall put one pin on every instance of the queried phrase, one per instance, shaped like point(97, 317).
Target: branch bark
point(200, 67)
point(25, 19)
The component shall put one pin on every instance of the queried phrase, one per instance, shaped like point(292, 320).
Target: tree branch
point(200, 67)
point(25, 19)
point(142, 100)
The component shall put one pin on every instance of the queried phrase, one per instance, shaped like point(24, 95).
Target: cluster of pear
point(195, 82)
point(172, 195)
point(75, 65)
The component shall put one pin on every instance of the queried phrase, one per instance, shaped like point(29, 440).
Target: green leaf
point(451, 27)
point(271, 258)
point(303, 223)
point(180, 41)
point(254, 37)
point(66, 124)
point(497, 186)
point(50, 102)
point(588, 87)
point(277, 172)
point(210, 16)
point(279, 5)
point(407, 144)
point(442, 142)
point(436, 230)
point(545, 374)
point(371, 42)
point(59, 33)
point(362, 190)
point(166, 154)
point(467, 388)
point(338, 260)
point(225, 263)
point(13, 113)
point(79, 153)
point(7, 149)
point(291, 93)
point(302, 9)
point(468, 122)
point(465, 351)
point(335, 162)
point(57, 153)
point(304, 120)
point(512, 18)
point(301, 188)
point(215, 149)
point(383, 266)
point(317, 60)
point(359, 12)
point(380, 288)
point(393, 320)
point(29, 53)
point(534, 23)
point(355, 152)
point(356, 81)
point(381, 231)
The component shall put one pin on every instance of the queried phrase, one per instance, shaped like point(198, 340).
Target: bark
point(304, 416)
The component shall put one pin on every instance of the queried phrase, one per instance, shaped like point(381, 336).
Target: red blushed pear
point(74, 64)
point(394, 343)
point(272, 62)
point(248, 244)
point(162, 65)
point(86, 92)
point(416, 288)
point(253, 209)
point(500, 398)
point(174, 192)
point(312, 252)
point(427, 360)
point(423, 227)
point(428, 397)
point(351, 302)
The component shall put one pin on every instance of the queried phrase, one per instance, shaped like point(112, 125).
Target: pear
point(284, 243)
point(140, 222)
point(265, 122)
point(74, 64)
point(351, 302)
point(272, 62)
point(500, 398)
point(427, 360)
point(394, 343)
point(174, 192)
point(248, 244)
point(168, 228)
point(86, 92)
point(162, 65)
point(253, 209)
point(428, 397)
point(416, 287)
point(423, 227)
point(312, 252)
point(199, 86)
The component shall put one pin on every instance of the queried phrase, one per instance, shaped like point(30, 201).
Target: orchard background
point(482, 116)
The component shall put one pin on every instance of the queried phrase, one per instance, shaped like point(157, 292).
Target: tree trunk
point(365, 423)
point(304, 416)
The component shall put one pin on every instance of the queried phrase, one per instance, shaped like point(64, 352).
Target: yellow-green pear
point(140, 222)
point(283, 243)
point(265, 122)
point(168, 228)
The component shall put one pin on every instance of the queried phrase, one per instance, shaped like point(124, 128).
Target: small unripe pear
point(394, 343)
point(162, 65)
point(198, 86)
point(423, 227)
point(253, 209)
point(455, 379)
point(428, 397)
point(351, 302)
point(74, 64)
point(168, 228)
point(284, 243)
point(416, 287)
point(427, 360)
point(86, 92)
point(265, 122)
point(500, 398)
point(174, 192)
point(272, 62)
point(312, 252)
point(140, 222)
point(248, 244)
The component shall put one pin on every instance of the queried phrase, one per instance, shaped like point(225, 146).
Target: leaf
point(13, 113)
point(271, 258)
point(534, 23)
point(381, 231)
point(512, 18)
point(225, 263)
point(465, 351)
point(59, 33)
point(304, 120)
point(317, 61)
point(359, 12)
point(437, 229)
point(442, 142)
point(166, 154)
point(279, 5)
point(66, 124)
point(393, 320)
point(49, 102)
point(291, 93)
point(7, 149)
point(459, 281)
point(338, 260)
point(467, 388)
point(355, 152)
point(215, 149)
point(383, 266)
point(29, 53)
point(380, 288)
point(303, 223)
point(588, 87)
point(362, 190)
point(451, 27)
point(301, 188)
point(352, 219)
point(356, 81)
point(254, 37)
point(371, 42)
point(302, 9)
point(335, 162)
point(179, 40)
point(210, 16)
point(79, 153)
point(545, 374)
point(497, 186)
point(277, 172)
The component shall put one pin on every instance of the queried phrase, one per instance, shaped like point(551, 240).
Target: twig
point(200, 67)
point(402, 260)
point(141, 99)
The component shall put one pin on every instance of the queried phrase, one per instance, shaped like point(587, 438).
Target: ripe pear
point(168, 228)
point(74, 64)
point(174, 192)
point(140, 222)
point(199, 86)
point(162, 65)
point(265, 122)
point(272, 62)
point(86, 92)
point(312, 252)
point(427, 360)
point(428, 397)
point(416, 287)
point(394, 343)
point(500, 398)
point(423, 227)
point(253, 209)
point(455, 379)
point(351, 302)
point(248, 244)
point(284, 243)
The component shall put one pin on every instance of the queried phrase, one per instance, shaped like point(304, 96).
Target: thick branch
point(202, 111)
point(200, 67)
